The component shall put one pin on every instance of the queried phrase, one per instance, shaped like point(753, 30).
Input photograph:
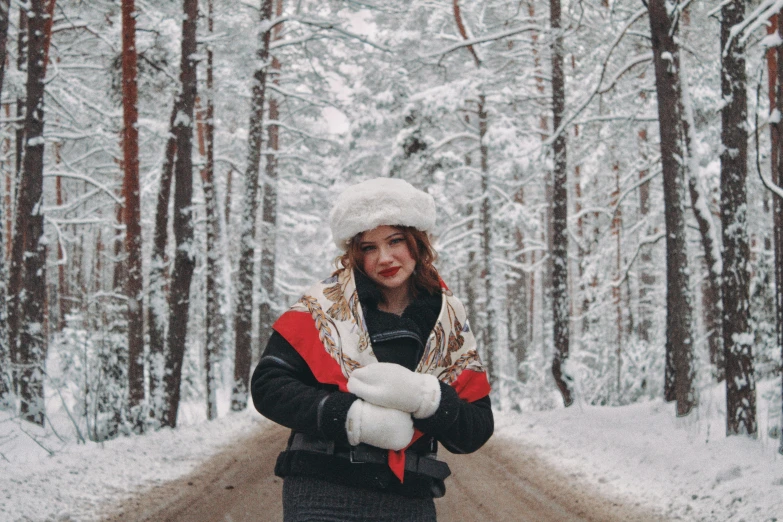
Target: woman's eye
point(396, 240)
point(368, 248)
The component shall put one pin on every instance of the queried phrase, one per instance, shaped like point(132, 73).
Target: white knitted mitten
point(394, 386)
point(378, 426)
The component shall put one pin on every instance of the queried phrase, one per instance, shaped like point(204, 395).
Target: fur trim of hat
point(376, 202)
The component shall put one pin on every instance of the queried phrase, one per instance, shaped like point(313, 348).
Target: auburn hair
point(425, 276)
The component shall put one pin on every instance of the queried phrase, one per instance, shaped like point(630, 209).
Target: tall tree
point(711, 286)
point(62, 283)
point(6, 379)
point(5, 354)
point(616, 232)
point(647, 277)
point(679, 370)
point(21, 65)
point(473, 269)
point(269, 210)
point(29, 251)
point(737, 338)
point(244, 300)
point(132, 210)
point(158, 287)
point(487, 272)
point(777, 202)
point(213, 318)
point(517, 297)
point(184, 261)
point(775, 86)
point(5, 15)
point(6, 376)
point(559, 226)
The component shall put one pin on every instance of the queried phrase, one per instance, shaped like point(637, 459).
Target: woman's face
point(387, 259)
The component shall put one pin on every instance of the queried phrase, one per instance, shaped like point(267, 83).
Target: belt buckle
point(360, 455)
point(353, 458)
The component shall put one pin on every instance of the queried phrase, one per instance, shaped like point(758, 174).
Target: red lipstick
point(390, 272)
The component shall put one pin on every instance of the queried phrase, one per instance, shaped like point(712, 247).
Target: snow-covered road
point(501, 482)
point(683, 469)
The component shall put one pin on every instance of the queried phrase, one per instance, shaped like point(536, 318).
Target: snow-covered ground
point(684, 468)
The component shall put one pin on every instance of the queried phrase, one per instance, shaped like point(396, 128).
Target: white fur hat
point(376, 202)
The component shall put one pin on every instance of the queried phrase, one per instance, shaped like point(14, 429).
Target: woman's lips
point(390, 272)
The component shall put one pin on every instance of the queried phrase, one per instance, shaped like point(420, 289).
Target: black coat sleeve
point(285, 391)
point(461, 426)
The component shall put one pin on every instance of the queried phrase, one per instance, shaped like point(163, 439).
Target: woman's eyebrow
point(390, 236)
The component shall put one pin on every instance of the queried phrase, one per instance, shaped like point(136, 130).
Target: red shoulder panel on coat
point(298, 328)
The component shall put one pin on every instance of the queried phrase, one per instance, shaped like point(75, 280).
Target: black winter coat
point(285, 391)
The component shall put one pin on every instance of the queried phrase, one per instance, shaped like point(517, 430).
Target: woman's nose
point(384, 255)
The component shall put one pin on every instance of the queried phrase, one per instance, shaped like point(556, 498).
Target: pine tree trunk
point(473, 270)
point(560, 311)
point(158, 285)
point(132, 214)
point(679, 370)
point(214, 323)
point(5, 352)
point(62, 289)
point(108, 324)
point(737, 337)
point(227, 199)
point(578, 297)
point(269, 232)
point(117, 312)
point(6, 379)
point(776, 169)
point(5, 16)
point(97, 268)
point(517, 296)
point(8, 176)
point(646, 277)
point(29, 229)
point(79, 264)
point(711, 289)
point(487, 272)
point(269, 211)
point(244, 304)
point(615, 228)
point(21, 66)
point(184, 260)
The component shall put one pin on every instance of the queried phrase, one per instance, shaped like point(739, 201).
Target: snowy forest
point(608, 177)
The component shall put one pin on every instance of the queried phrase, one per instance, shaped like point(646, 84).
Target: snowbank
point(76, 479)
point(686, 468)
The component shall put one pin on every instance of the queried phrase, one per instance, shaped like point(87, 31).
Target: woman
point(372, 368)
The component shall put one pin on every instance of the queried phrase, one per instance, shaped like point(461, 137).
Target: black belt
point(425, 464)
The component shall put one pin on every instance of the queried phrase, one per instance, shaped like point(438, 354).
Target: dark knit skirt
point(309, 499)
